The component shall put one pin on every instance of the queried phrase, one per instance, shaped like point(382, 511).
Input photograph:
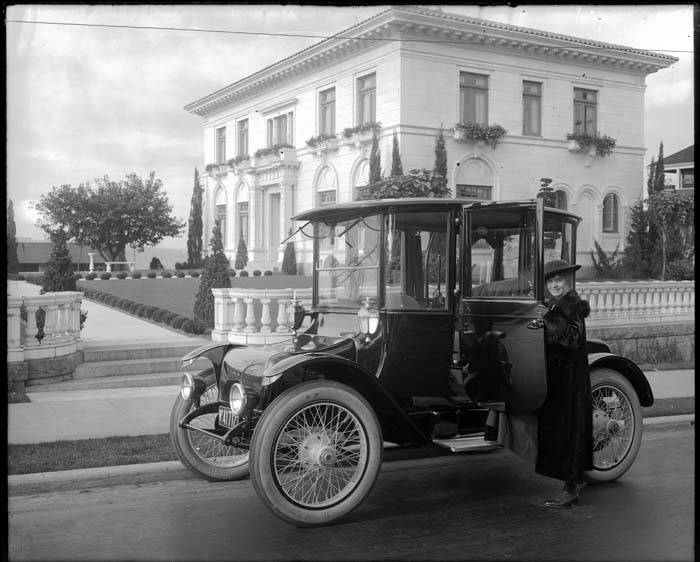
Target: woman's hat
point(559, 266)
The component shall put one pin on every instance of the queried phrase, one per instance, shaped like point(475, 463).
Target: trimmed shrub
point(106, 275)
point(244, 273)
point(136, 275)
point(155, 264)
point(257, 273)
point(167, 274)
point(90, 276)
point(267, 273)
point(194, 273)
point(180, 274)
point(121, 275)
point(187, 326)
point(178, 321)
point(77, 276)
point(168, 317)
point(149, 311)
point(159, 314)
point(232, 272)
point(151, 275)
point(196, 327)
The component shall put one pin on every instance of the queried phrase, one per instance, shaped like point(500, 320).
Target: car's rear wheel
point(202, 454)
point(617, 425)
point(316, 453)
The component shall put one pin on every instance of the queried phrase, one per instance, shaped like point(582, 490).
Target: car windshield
point(347, 262)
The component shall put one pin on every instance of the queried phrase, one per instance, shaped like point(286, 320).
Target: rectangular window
point(473, 98)
point(688, 179)
point(326, 198)
point(221, 145)
point(243, 220)
point(366, 99)
point(326, 109)
point(478, 192)
point(243, 138)
point(585, 111)
point(532, 108)
point(280, 130)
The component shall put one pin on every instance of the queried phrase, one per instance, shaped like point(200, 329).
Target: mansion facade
point(297, 134)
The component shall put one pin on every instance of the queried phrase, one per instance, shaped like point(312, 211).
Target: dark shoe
point(564, 499)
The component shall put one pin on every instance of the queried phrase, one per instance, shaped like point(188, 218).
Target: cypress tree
point(659, 177)
point(12, 259)
point(440, 167)
point(396, 167)
point(215, 275)
point(375, 160)
point(59, 275)
point(195, 227)
point(289, 262)
point(241, 253)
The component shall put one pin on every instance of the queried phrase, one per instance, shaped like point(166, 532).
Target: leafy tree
point(59, 274)
point(215, 275)
point(440, 167)
point(607, 266)
point(639, 254)
point(155, 263)
point(672, 216)
point(375, 160)
point(110, 215)
point(12, 259)
point(396, 167)
point(241, 253)
point(289, 262)
point(195, 227)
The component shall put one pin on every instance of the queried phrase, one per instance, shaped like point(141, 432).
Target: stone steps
point(111, 382)
point(141, 366)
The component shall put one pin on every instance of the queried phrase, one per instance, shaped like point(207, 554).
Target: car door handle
point(535, 324)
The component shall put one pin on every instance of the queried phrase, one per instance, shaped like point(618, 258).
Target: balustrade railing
point(264, 316)
point(61, 330)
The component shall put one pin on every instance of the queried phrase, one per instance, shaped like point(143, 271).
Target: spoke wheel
point(206, 456)
point(617, 425)
point(316, 453)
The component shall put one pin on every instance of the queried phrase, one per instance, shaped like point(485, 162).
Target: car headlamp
point(363, 319)
point(237, 399)
point(368, 318)
point(187, 386)
point(373, 319)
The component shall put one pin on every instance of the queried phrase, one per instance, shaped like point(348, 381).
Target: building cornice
point(414, 23)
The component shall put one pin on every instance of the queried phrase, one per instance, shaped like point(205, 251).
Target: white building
point(416, 70)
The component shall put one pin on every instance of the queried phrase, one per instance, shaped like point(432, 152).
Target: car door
point(503, 341)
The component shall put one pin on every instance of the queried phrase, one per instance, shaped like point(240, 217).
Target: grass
point(178, 294)
point(89, 453)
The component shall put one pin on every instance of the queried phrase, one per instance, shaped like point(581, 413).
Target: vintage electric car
point(422, 320)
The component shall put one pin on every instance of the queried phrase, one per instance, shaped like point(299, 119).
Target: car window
point(416, 261)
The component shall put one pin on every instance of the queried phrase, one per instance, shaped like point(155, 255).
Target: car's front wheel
point(205, 455)
point(617, 425)
point(316, 453)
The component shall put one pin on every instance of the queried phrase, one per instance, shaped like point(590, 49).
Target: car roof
point(341, 211)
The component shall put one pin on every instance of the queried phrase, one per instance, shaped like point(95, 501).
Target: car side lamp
point(368, 318)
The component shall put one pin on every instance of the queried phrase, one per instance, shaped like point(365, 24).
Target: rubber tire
point(610, 377)
point(183, 446)
point(276, 415)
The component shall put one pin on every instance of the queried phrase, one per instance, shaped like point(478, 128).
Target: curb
point(156, 472)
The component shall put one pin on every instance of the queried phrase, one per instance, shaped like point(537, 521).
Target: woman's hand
point(541, 310)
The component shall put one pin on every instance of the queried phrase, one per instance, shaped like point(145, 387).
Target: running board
point(467, 444)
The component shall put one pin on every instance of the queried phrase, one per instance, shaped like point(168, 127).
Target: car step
point(471, 443)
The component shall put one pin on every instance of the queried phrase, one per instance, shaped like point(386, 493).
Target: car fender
point(397, 426)
point(629, 370)
point(214, 352)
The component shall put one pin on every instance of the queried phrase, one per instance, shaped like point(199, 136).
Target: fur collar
point(571, 304)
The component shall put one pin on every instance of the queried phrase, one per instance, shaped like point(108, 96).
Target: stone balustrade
point(638, 302)
point(61, 326)
point(253, 316)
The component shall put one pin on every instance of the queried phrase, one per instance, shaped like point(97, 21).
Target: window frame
point(274, 129)
point(528, 100)
point(587, 107)
point(464, 89)
point(243, 148)
point(611, 215)
point(220, 144)
point(366, 91)
point(323, 104)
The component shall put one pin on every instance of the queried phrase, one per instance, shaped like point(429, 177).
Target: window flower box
point(479, 134)
point(323, 143)
point(282, 152)
point(600, 145)
point(361, 134)
point(239, 162)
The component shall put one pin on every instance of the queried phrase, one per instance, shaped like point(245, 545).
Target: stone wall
point(661, 345)
point(21, 374)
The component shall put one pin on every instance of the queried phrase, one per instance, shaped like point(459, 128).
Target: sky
point(84, 102)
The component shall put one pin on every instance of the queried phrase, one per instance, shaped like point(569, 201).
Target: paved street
point(478, 507)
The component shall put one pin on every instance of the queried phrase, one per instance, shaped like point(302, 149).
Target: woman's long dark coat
point(565, 433)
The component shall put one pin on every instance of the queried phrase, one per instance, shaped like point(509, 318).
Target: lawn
point(178, 294)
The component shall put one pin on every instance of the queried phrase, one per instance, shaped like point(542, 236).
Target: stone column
point(256, 216)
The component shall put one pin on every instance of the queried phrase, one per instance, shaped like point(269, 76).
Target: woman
point(565, 432)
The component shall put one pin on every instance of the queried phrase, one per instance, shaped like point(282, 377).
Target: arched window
point(242, 212)
point(474, 180)
point(610, 213)
point(220, 203)
point(360, 177)
point(326, 187)
point(560, 201)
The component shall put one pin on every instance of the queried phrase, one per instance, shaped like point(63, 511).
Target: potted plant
point(479, 134)
point(323, 142)
point(597, 144)
point(277, 150)
point(239, 161)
